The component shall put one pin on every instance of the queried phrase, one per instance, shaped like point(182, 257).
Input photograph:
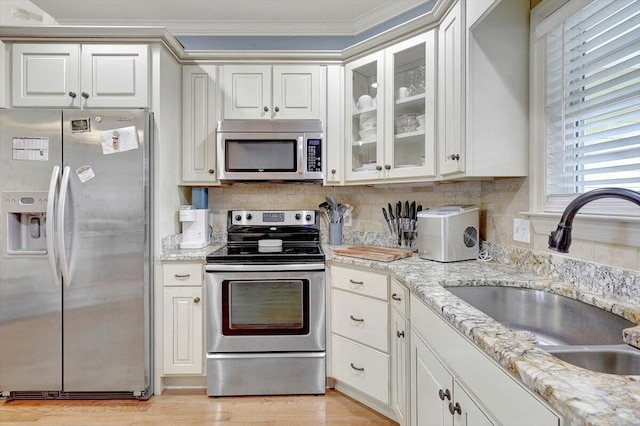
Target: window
point(586, 61)
point(585, 115)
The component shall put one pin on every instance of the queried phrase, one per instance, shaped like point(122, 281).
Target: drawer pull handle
point(394, 296)
point(446, 394)
point(182, 276)
point(356, 319)
point(357, 368)
point(455, 408)
point(400, 333)
point(356, 282)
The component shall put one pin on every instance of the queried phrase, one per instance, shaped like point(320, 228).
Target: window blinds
point(593, 99)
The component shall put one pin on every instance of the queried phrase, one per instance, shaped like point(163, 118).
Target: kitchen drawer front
point(358, 281)
point(360, 318)
point(182, 274)
point(399, 298)
point(363, 368)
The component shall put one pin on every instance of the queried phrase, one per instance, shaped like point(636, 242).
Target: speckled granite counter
point(582, 396)
point(188, 254)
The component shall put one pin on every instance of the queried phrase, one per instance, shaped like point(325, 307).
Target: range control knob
point(308, 217)
point(249, 216)
point(298, 216)
point(238, 217)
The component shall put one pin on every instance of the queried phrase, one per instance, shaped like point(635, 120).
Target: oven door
point(265, 310)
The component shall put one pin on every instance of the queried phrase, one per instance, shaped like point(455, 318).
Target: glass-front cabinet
point(390, 121)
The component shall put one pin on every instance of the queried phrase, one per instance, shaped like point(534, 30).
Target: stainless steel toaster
point(449, 233)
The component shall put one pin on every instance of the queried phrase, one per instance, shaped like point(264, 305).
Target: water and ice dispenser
point(25, 220)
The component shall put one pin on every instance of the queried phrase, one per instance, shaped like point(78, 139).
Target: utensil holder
point(335, 234)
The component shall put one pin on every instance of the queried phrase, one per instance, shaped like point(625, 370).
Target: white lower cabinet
point(399, 329)
point(360, 340)
point(454, 382)
point(361, 367)
point(437, 398)
point(183, 309)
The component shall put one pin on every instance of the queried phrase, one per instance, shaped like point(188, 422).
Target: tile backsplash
point(500, 202)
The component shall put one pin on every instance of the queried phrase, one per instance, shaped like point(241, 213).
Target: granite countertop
point(582, 396)
point(176, 254)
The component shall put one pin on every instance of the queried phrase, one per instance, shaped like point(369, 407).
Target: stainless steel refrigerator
point(75, 271)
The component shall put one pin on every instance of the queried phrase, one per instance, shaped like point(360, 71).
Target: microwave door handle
point(301, 152)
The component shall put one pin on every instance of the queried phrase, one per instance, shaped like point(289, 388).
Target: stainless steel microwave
point(256, 150)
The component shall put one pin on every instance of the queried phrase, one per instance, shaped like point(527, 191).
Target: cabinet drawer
point(182, 274)
point(358, 281)
point(361, 367)
point(360, 318)
point(399, 298)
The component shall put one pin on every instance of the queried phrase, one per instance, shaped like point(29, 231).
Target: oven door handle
point(264, 268)
point(251, 355)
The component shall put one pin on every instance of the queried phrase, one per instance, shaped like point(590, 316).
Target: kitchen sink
point(612, 359)
point(553, 319)
point(568, 329)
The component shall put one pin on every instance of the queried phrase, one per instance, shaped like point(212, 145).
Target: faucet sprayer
point(560, 239)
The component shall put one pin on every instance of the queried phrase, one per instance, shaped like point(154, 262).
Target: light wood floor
point(193, 407)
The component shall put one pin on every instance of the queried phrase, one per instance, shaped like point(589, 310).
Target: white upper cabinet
point(75, 75)
point(267, 92)
point(483, 89)
point(334, 134)
point(199, 88)
point(114, 76)
point(390, 113)
point(451, 89)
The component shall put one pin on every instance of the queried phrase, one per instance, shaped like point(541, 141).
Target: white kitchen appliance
point(195, 227)
point(449, 233)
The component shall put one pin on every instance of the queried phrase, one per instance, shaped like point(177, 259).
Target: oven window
point(251, 155)
point(265, 307)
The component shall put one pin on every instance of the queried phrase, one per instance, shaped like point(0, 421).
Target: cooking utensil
point(398, 221)
point(392, 218)
point(406, 208)
point(386, 218)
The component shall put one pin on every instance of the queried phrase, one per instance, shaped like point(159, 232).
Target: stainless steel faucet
point(560, 239)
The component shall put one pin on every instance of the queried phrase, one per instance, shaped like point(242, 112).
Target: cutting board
point(381, 254)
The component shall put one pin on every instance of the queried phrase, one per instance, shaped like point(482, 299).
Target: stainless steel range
point(266, 306)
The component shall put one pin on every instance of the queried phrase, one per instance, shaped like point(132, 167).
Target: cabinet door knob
point(357, 368)
point(455, 408)
point(400, 333)
point(85, 95)
point(387, 166)
point(266, 109)
point(455, 157)
point(333, 171)
point(394, 296)
point(73, 94)
point(276, 109)
point(211, 171)
point(378, 168)
point(196, 300)
point(446, 394)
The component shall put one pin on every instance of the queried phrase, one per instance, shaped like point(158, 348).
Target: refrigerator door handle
point(50, 223)
point(62, 201)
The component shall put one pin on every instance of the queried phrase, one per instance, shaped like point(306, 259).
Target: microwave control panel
point(314, 155)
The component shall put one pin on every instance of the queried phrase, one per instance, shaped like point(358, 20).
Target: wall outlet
point(521, 230)
point(346, 219)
